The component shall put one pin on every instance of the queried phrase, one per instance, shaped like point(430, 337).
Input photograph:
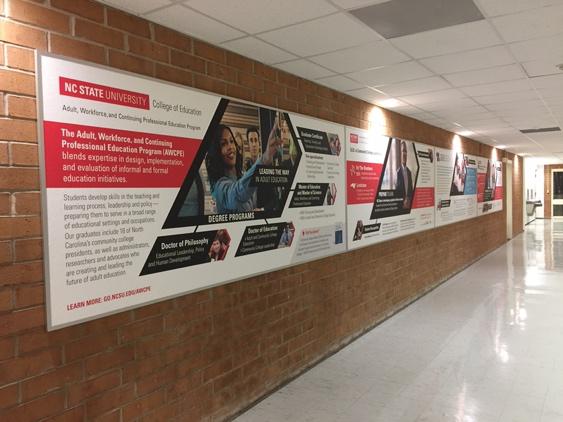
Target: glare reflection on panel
point(377, 121)
point(456, 143)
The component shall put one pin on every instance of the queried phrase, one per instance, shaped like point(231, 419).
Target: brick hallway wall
point(203, 356)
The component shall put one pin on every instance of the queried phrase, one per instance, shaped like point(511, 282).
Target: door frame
point(508, 191)
point(559, 201)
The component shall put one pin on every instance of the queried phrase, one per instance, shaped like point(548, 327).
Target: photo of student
point(230, 186)
point(404, 186)
point(254, 147)
point(359, 231)
point(246, 138)
point(334, 143)
point(283, 156)
point(331, 194)
point(458, 180)
point(219, 246)
point(287, 236)
point(277, 124)
point(491, 175)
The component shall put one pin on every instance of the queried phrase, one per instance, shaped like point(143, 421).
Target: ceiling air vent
point(396, 18)
point(542, 130)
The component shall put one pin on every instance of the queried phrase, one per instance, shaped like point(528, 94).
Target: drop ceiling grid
point(487, 63)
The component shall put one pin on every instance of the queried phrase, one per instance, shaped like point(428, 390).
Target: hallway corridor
point(486, 346)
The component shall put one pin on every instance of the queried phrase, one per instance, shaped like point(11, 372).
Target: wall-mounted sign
point(456, 186)
point(390, 184)
point(489, 185)
point(152, 190)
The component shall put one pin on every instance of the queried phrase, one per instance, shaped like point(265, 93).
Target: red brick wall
point(209, 354)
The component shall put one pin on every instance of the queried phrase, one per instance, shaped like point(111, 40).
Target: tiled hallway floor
point(485, 346)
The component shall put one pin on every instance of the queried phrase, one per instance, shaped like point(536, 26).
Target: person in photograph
point(286, 237)
point(488, 180)
point(219, 246)
point(335, 146)
point(458, 182)
point(271, 197)
point(230, 186)
point(331, 194)
point(253, 140)
point(493, 173)
point(281, 126)
point(359, 232)
point(404, 188)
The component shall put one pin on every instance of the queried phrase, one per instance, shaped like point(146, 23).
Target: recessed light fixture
point(500, 146)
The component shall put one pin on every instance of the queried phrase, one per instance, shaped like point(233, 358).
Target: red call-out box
point(78, 156)
point(362, 181)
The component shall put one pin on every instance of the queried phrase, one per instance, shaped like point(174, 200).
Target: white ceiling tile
point(507, 97)
point(262, 15)
point(258, 50)
point(360, 58)
point(304, 69)
point(452, 39)
point(432, 97)
point(493, 124)
point(340, 83)
point(473, 111)
point(486, 76)
point(534, 23)
point(548, 93)
point(407, 110)
point(540, 68)
point(420, 115)
point(528, 107)
point(556, 110)
point(546, 48)
point(416, 86)
point(469, 60)
point(368, 95)
point(554, 101)
point(446, 105)
point(391, 74)
point(352, 4)
point(321, 35)
point(530, 123)
point(554, 82)
point(464, 119)
point(491, 119)
point(436, 122)
point(548, 137)
point(497, 88)
point(505, 131)
point(552, 141)
point(137, 7)
point(505, 7)
point(193, 23)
